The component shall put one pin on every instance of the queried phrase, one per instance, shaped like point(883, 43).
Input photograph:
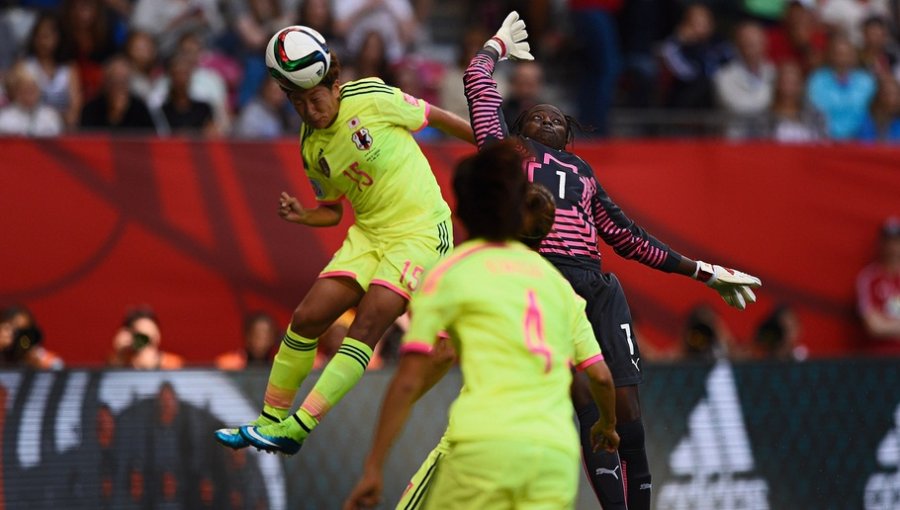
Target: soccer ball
point(297, 57)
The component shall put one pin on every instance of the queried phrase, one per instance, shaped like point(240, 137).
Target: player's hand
point(290, 209)
point(735, 287)
point(511, 41)
point(367, 493)
point(604, 438)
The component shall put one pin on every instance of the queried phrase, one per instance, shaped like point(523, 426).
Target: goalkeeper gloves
point(735, 287)
point(511, 40)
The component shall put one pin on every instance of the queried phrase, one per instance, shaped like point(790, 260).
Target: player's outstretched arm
point(603, 433)
point(451, 124)
point(406, 387)
point(325, 215)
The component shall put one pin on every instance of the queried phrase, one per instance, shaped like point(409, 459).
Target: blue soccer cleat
point(232, 438)
point(285, 437)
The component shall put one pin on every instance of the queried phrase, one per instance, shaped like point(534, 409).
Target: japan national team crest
point(362, 139)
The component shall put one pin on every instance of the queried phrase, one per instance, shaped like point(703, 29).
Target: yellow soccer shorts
point(416, 493)
point(397, 262)
point(500, 475)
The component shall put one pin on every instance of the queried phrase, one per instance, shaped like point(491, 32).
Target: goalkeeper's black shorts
point(608, 313)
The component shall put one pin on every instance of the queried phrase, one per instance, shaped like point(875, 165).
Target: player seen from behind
point(356, 144)
point(517, 325)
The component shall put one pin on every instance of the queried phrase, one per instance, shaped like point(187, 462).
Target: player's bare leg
point(377, 310)
point(323, 304)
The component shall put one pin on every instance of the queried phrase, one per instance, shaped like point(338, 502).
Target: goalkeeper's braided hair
point(571, 125)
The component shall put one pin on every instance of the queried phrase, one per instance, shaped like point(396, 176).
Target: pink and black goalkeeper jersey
point(584, 211)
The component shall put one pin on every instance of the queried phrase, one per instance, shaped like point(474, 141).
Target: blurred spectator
point(318, 15)
point(878, 54)
point(87, 37)
point(58, 79)
point(847, 16)
point(526, 89)
point(137, 343)
point(265, 116)
point(9, 44)
point(394, 20)
point(26, 115)
point(878, 292)
point(182, 114)
point(371, 59)
point(117, 107)
point(260, 335)
point(883, 121)
point(600, 59)
point(691, 56)
point(207, 81)
point(254, 21)
point(705, 336)
point(21, 341)
point(452, 96)
point(777, 337)
point(140, 49)
point(841, 91)
point(641, 25)
point(744, 86)
point(793, 119)
point(170, 20)
point(800, 38)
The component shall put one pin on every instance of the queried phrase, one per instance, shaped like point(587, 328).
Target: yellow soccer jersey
point(369, 156)
point(517, 325)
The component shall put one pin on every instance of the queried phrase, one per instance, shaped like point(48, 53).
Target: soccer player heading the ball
point(356, 144)
point(517, 325)
point(584, 213)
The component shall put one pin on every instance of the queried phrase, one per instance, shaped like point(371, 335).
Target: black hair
point(47, 17)
point(571, 125)
point(139, 312)
point(490, 192)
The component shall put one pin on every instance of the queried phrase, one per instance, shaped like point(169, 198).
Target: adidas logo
point(715, 457)
point(883, 489)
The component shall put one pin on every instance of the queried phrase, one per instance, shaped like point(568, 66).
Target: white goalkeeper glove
point(511, 41)
point(735, 287)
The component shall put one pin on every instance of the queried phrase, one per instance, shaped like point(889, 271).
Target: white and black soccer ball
point(298, 57)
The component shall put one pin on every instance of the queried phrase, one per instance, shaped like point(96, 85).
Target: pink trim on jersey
point(331, 202)
point(417, 347)
point(338, 274)
point(391, 286)
point(427, 113)
point(438, 271)
point(588, 362)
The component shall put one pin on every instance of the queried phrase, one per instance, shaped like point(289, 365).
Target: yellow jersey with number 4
point(369, 156)
point(518, 327)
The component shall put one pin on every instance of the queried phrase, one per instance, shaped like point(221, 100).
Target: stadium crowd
point(790, 71)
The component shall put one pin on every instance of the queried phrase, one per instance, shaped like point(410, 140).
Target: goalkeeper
point(585, 214)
